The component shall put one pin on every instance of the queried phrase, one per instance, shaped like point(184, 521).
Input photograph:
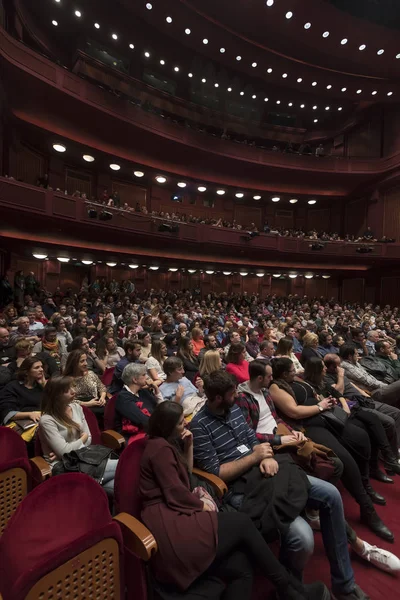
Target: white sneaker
point(382, 559)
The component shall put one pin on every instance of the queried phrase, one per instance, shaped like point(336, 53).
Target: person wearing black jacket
point(21, 399)
point(190, 361)
point(134, 403)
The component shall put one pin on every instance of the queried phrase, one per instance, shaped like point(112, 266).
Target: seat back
point(109, 413)
point(107, 376)
point(71, 544)
point(15, 474)
point(127, 475)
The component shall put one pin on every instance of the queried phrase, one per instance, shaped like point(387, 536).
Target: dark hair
point(169, 338)
point(323, 336)
point(313, 371)
point(49, 329)
point(251, 331)
point(281, 366)
point(234, 352)
point(335, 340)
point(71, 367)
point(184, 350)
point(379, 345)
point(257, 369)
point(26, 366)
point(218, 383)
point(285, 346)
point(264, 344)
point(347, 350)
point(164, 419)
point(356, 331)
point(142, 335)
point(171, 364)
point(76, 343)
point(131, 345)
point(56, 386)
point(330, 359)
point(286, 330)
point(56, 321)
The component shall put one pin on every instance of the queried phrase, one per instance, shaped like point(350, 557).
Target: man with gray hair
point(372, 338)
point(135, 403)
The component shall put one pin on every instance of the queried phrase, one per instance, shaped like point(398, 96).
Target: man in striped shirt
point(226, 446)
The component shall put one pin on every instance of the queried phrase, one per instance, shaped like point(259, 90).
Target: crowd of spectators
point(173, 357)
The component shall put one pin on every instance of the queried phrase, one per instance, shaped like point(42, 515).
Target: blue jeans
point(109, 476)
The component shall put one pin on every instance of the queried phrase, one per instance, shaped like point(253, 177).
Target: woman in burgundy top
point(193, 540)
point(237, 363)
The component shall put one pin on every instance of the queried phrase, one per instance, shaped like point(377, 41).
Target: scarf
point(53, 348)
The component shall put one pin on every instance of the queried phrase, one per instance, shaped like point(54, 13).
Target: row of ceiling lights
point(238, 58)
point(181, 184)
point(64, 259)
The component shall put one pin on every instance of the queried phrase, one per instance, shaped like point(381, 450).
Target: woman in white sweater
point(63, 427)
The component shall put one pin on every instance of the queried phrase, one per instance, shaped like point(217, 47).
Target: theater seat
point(72, 548)
point(18, 474)
point(109, 412)
point(107, 376)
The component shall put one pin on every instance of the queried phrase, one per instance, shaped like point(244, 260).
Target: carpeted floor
point(376, 583)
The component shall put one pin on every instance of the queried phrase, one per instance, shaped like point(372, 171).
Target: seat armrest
point(137, 538)
point(41, 468)
point(112, 439)
point(219, 486)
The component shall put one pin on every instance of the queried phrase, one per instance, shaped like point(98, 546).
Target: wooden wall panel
point(391, 218)
point(245, 215)
point(129, 193)
point(353, 290)
point(365, 141)
point(319, 219)
point(390, 291)
point(356, 216)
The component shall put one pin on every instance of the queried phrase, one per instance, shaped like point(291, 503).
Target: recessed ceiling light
point(243, 273)
point(269, 2)
point(292, 275)
point(315, 107)
point(260, 274)
point(162, 62)
point(133, 266)
point(326, 276)
point(169, 20)
point(202, 188)
point(275, 199)
point(115, 167)
point(381, 51)
point(278, 101)
point(111, 264)
point(290, 104)
point(269, 70)
point(299, 79)
point(131, 46)
point(325, 34)
point(302, 105)
point(97, 25)
point(220, 192)
point(191, 271)
point(256, 197)
point(176, 69)
point(114, 36)
point(222, 50)
point(265, 99)
point(397, 56)
point(63, 259)
point(238, 58)
point(314, 83)
point(154, 268)
point(216, 84)
point(254, 96)
point(147, 54)
point(57, 1)
point(138, 173)
point(226, 272)
point(40, 256)
point(54, 23)
point(359, 91)
point(374, 93)
point(390, 93)
point(309, 276)
point(307, 25)
point(229, 89)
point(187, 31)
point(254, 64)
point(343, 89)
point(329, 87)
point(78, 13)
point(209, 272)
point(284, 75)
point(59, 148)
point(149, 6)
point(276, 275)
point(344, 41)
point(289, 14)
point(340, 108)
point(239, 195)
point(173, 269)
point(362, 47)
point(315, 120)
point(190, 74)
point(327, 108)
point(161, 179)
point(87, 262)
point(312, 202)
point(293, 200)
point(181, 184)
point(205, 41)
point(88, 157)
point(203, 80)
point(242, 93)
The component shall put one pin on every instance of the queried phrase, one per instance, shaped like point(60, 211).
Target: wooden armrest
point(219, 486)
point(41, 468)
point(112, 439)
point(137, 538)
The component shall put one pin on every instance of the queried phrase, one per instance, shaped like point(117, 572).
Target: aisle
point(376, 583)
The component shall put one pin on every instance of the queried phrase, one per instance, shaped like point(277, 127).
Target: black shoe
point(298, 591)
point(380, 475)
point(375, 497)
point(317, 591)
point(392, 467)
point(371, 518)
point(356, 594)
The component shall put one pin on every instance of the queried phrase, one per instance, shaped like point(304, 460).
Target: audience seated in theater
point(132, 353)
point(285, 348)
point(22, 331)
point(302, 406)
point(52, 346)
point(171, 341)
point(63, 334)
point(226, 446)
point(179, 388)
point(135, 402)
point(210, 362)
point(109, 352)
point(197, 340)
point(210, 343)
point(63, 428)
point(7, 349)
point(267, 351)
point(373, 336)
point(189, 360)
point(20, 399)
point(154, 363)
point(384, 365)
point(192, 538)
point(90, 391)
point(358, 340)
point(325, 344)
point(237, 364)
point(252, 345)
point(23, 350)
point(310, 348)
point(94, 364)
point(144, 339)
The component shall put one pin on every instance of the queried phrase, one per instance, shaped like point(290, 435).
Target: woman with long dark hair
point(190, 361)
point(89, 389)
point(20, 399)
point(192, 539)
point(301, 406)
point(237, 364)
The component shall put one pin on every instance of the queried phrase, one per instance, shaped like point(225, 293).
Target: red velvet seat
point(107, 376)
point(109, 412)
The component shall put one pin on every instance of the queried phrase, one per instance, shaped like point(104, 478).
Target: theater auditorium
point(199, 300)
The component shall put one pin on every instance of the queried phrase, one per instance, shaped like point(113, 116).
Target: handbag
point(90, 460)
point(335, 418)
